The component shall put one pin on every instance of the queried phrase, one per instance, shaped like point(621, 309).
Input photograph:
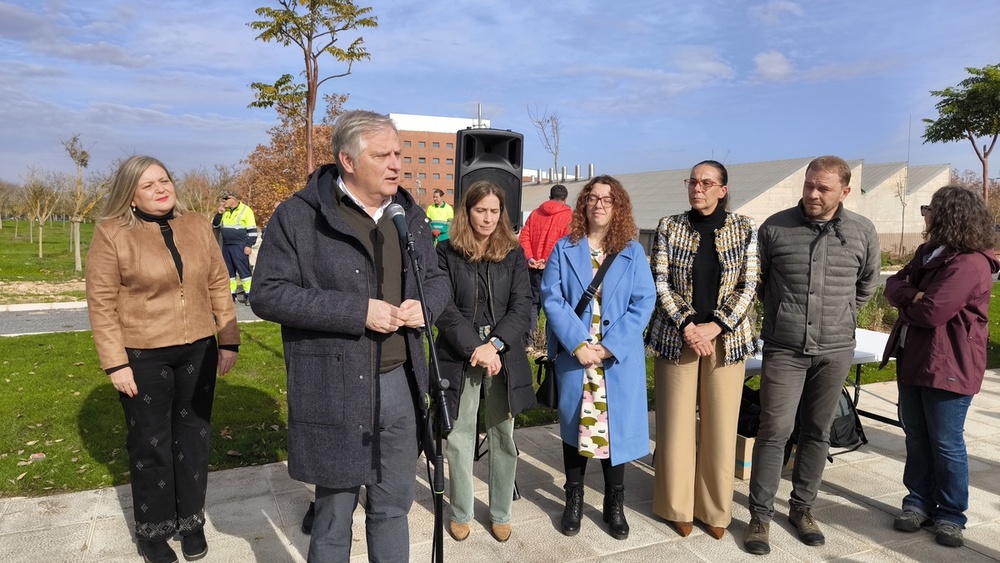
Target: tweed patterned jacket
point(673, 253)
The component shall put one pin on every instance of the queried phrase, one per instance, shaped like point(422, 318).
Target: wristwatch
point(498, 344)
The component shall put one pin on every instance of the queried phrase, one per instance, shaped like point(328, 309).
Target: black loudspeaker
point(494, 155)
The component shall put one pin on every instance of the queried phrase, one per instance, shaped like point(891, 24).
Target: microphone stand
point(442, 418)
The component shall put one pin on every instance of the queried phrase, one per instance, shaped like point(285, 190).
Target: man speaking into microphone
point(333, 272)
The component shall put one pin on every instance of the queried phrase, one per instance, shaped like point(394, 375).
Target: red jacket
point(545, 226)
point(947, 335)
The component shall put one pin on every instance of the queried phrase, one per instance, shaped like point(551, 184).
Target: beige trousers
point(696, 482)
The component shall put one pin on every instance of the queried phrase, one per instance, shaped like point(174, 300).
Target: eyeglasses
point(925, 209)
point(606, 201)
point(706, 185)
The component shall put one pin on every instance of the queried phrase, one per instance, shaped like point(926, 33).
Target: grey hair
point(124, 184)
point(350, 129)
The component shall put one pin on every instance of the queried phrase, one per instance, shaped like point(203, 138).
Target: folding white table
point(869, 349)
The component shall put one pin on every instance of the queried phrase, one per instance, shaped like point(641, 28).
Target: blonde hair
point(502, 240)
point(123, 186)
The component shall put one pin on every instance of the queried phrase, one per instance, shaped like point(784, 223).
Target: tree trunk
point(39, 239)
point(986, 178)
point(902, 231)
point(76, 245)
point(309, 148)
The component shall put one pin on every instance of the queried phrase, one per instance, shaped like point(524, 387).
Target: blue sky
point(638, 85)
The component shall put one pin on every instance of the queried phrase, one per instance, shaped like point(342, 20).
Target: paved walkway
point(254, 513)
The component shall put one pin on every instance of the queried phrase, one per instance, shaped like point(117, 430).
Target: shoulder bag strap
point(588, 294)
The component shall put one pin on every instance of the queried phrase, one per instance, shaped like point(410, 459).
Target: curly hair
point(621, 230)
point(463, 239)
point(960, 220)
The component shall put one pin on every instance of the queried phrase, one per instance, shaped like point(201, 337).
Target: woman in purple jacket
point(939, 342)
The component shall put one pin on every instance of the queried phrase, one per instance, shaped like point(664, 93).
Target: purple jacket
point(948, 333)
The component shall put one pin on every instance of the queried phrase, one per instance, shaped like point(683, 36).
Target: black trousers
point(575, 466)
point(169, 435)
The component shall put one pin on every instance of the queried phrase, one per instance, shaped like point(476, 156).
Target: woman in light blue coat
point(600, 360)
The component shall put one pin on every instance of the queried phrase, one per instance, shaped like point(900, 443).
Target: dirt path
point(41, 292)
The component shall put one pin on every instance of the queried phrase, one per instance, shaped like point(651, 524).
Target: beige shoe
point(458, 531)
point(501, 532)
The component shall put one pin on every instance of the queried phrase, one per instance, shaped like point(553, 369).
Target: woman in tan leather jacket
point(157, 295)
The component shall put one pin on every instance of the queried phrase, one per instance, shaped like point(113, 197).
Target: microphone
point(398, 217)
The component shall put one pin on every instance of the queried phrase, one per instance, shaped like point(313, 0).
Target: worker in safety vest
point(440, 214)
point(239, 233)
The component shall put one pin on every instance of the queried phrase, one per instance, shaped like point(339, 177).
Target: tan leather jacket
point(135, 297)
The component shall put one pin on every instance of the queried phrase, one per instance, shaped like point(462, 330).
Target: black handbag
point(547, 393)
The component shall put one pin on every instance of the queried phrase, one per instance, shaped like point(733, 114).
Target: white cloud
point(702, 63)
point(772, 66)
point(773, 11)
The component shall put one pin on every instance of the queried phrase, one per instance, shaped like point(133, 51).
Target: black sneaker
point(949, 534)
point(194, 546)
point(911, 521)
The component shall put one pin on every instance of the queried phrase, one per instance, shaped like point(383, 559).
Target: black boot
point(614, 511)
point(194, 546)
point(307, 520)
point(157, 551)
point(574, 508)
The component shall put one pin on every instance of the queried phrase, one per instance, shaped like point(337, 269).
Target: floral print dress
point(594, 436)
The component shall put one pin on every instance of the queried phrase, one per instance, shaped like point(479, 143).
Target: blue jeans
point(936, 473)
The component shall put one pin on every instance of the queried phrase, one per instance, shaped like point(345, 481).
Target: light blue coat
point(628, 298)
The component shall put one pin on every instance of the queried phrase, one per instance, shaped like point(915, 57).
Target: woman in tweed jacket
point(705, 267)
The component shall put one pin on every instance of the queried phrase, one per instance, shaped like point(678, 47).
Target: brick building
point(429, 152)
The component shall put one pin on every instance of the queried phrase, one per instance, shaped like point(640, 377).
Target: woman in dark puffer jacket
point(479, 339)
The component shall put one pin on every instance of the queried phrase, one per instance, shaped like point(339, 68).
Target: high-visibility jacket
point(238, 225)
point(440, 217)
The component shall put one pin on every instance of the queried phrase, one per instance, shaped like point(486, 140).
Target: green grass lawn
point(58, 402)
point(19, 259)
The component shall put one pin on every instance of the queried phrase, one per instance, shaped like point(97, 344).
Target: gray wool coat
point(314, 277)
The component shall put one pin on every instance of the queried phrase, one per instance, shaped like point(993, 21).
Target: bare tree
point(41, 197)
point(199, 189)
point(549, 128)
point(83, 196)
point(899, 190)
point(8, 192)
